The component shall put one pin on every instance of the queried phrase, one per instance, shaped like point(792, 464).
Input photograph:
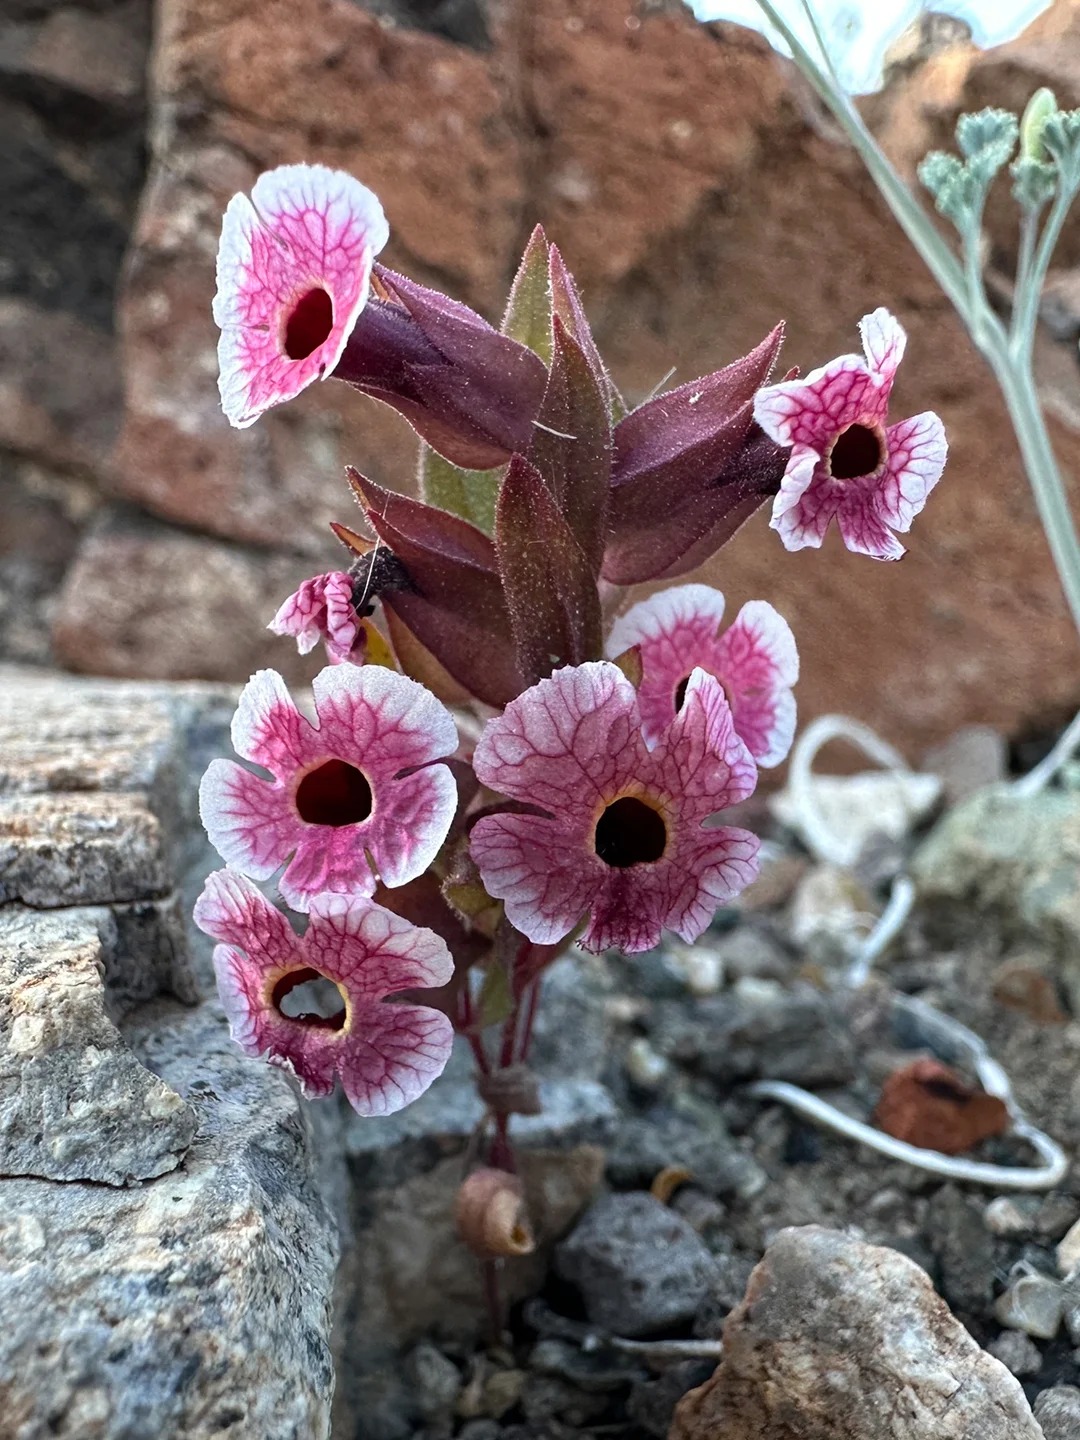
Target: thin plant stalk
point(1008, 353)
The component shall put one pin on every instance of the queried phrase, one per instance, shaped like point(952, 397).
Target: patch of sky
point(858, 33)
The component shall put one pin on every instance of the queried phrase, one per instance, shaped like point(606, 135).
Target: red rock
point(144, 600)
point(699, 196)
point(928, 1104)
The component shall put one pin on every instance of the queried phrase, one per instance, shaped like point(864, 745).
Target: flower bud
point(491, 1216)
point(1038, 110)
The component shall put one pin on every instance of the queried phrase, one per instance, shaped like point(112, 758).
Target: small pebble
point(1055, 1215)
point(645, 1066)
point(1009, 1215)
point(702, 970)
point(755, 991)
point(1017, 1352)
point(1058, 1412)
point(830, 914)
point(434, 1381)
point(502, 1391)
point(638, 1266)
point(1068, 1251)
point(480, 1430)
point(1032, 1303)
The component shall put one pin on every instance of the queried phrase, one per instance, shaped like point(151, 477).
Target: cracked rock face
point(193, 1306)
point(178, 1282)
point(839, 1340)
point(75, 1103)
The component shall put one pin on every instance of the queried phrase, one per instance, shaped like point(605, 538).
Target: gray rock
point(651, 1403)
point(1070, 1297)
point(964, 1249)
point(75, 1103)
point(1058, 1412)
point(638, 1265)
point(1033, 1304)
point(800, 1034)
point(726, 1290)
point(1011, 857)
point(839, 1340)
point(80, 850)
point(195, 1304)
point(434, 1380)
point(700, 1142)
point(1017, 1352)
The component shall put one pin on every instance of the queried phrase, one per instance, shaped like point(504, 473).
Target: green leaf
point(493, 1005)
point(468, 493)
point(955, 190)
point(1034, 182)
point(528, 310)
point(987, 133)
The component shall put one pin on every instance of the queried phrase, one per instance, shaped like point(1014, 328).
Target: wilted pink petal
point(623, 842)
point(844, 463)
point(385, 1055)
point(361, 783)
point(293, 270)
point(322, 609)
point(755, 661)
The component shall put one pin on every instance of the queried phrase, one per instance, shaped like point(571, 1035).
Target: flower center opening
point(630, 832)
point(334, 793)
point(857, 452)
point(310, 999)
point(309, 325)
point(680, 693)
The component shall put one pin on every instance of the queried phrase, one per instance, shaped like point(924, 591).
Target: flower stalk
point(1007, 350)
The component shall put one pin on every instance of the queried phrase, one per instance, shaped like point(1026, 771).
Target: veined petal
point(372, 950)
point(543, 870)
point(813, 411)
point(385, 1055)
point(294, 267)
point(623, 821)
point(884, 342)
point(917, 454)
point(231, 909)
point(356, 791)
point(267, 728)
point(249, 822)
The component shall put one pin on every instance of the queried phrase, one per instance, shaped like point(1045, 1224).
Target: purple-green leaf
point(572, 444)
point(550, 590)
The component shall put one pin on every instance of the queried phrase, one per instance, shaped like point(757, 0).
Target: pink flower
point(619, 837)
point(322, 609)
point(755, 661)
point(357, 790)
point(845, 462)
point(386, 1055)
point(293, 270)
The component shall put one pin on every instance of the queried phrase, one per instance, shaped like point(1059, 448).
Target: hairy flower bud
point(491, 1215)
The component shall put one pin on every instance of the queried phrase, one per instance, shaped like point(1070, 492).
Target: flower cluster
point(583, 796)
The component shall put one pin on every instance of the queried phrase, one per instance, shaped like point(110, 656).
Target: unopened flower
point(755, 660)
point(293, 271)
point(358, 790)
point(385, 1055)
point(616, 831)
point(845, 462)
point(322, 609)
